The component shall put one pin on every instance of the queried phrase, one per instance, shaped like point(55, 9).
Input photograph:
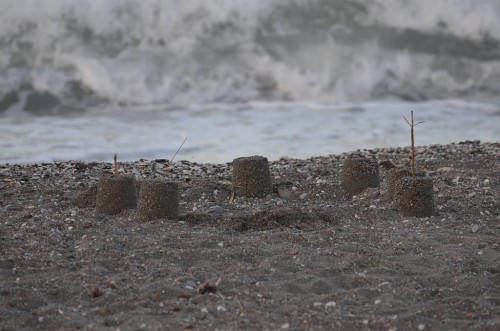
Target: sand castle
point(414, 196)
point(409, 191)
point(116, 194)
point(251, 177)
point(359, 173)
point(158, 199)
point(411, 195)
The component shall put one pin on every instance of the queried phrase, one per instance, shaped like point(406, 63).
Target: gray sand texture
point(314, 261)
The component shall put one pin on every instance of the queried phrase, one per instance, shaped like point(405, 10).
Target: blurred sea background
point(81, 80)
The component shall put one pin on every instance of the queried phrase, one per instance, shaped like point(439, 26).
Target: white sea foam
point(271, 77)
point(204, 51)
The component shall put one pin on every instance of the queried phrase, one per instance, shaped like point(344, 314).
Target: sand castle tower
point(252, 177)
point(158, 199)
point(116, 194)
point(395, 175)
point(359, 173)
point(414, 196)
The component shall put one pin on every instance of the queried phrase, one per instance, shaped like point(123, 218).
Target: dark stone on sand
point(358, 174)
point(207, 288)
point(116, 194)
point(80, 166)
point(216, 210)
point(8, 100)
point(158, 199)
point(251, 177)
point(86, 198)
point(41, 102)
point(395, 175)
point(414, 196)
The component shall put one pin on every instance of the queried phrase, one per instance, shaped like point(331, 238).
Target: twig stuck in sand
point(115, 172)
point(412, 126)
point(173, 157)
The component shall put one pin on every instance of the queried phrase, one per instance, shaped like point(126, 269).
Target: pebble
point(190, 285)
point(475, 228)
point(330, 304)
point(221, 309)
point(421, 326)
point(303, 196)
point(285, 192)
point(217, 210)
point(285, 326)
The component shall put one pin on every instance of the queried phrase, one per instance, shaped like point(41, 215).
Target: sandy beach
point(310, 259)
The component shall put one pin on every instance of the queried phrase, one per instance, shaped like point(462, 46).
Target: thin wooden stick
point(412, 126)
point(412, 146)
point(116, 165)
point(173, 157)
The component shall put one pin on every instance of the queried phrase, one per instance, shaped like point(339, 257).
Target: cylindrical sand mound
point(396, 174)
point(414, 196)
point(115, 194)
point(251, 177)
point(359, 174)
point(159, 199)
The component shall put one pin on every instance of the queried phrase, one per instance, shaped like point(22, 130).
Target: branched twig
point(173, 157)
point(412, 126)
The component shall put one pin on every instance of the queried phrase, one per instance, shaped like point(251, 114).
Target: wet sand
point(314, 261)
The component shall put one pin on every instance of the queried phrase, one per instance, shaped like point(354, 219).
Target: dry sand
point(315, 262)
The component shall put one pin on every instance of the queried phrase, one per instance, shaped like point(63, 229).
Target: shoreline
point(274, 132)
point(317, 261)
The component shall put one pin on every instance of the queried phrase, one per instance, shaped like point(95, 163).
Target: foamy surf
point(270, 77)
point(74, 55)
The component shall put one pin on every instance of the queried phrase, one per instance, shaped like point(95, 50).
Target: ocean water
point(85, 79)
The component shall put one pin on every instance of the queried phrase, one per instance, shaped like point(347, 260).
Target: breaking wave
point(73, 54)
